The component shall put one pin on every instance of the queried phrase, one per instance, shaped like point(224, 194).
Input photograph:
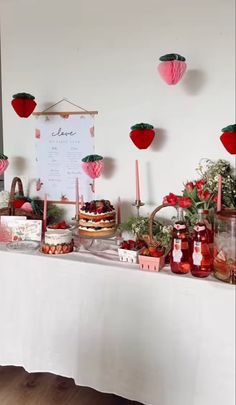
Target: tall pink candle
point(137, 181)
point(81, 200)
point(219, 193)
point(45, 205)
point(77, 198)
point(119, 211)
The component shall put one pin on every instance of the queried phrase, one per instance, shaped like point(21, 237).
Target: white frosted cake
point(58, 241)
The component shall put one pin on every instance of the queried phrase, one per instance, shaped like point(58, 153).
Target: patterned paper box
point(18, 229)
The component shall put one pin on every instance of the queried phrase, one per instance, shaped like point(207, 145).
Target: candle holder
point(138, 204)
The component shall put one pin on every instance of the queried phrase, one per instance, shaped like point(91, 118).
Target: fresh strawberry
point(64, 248)
point(132, 244)
point(58, 249)
point(52, 249)
point(18, 203)
point(45, 249)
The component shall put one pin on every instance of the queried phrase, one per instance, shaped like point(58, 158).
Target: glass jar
point(201, 258)
point(225, 245)
point(180, 249)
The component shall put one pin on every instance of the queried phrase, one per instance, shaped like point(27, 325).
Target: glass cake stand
point(98, 243)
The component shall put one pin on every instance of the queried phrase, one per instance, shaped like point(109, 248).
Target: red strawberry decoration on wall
point(23, 104)
point(228, 138)
point(142, 135)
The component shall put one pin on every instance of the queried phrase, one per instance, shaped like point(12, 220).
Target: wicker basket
point(148, 262)
point(10, 210)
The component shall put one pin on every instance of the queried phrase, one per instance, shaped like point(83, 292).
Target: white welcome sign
point(61, 143)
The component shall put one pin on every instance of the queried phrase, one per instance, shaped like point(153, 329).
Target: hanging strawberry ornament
point(228, 138)
point(93, 166)
point(172, 67)
point(23, 104)
point(3, 163)
point(142, 135)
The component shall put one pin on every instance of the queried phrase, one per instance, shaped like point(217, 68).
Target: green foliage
point(210, 171)
point(139, 226)
point(54, 214)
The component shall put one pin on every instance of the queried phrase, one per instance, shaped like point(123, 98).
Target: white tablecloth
point(157, 338)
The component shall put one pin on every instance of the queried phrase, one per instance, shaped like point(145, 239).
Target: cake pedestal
point(98, 243)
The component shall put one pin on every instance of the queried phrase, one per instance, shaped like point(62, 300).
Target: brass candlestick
point(138, 204)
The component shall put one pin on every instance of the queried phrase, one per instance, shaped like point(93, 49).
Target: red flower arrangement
point(196, 195)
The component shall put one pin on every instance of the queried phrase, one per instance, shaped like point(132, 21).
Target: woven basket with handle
point(149, 238)
point(147, 262)
point(10, 210)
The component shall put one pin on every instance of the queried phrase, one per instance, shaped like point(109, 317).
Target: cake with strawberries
point(97, 218)
point(58, 241)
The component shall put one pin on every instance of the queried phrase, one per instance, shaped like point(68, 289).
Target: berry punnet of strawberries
point(132, 244)
point(153, 251)
point(142, 135)
point(228, 138)
point(23, 104)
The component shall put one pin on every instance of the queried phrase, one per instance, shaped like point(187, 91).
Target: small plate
point(23, 246)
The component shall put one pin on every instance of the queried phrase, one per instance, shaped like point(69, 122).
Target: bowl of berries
point(152, 258)
point(130, 249)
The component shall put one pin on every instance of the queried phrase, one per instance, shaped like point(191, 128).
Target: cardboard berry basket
point(11, 210)
point(148, 262)
point(130, 256)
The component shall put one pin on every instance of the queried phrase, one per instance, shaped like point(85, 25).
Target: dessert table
point(157, 338)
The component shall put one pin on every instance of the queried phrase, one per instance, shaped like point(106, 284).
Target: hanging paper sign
point(61, 143)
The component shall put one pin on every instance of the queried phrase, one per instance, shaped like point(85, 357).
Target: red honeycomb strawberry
point(23, 104)
point(142, 135)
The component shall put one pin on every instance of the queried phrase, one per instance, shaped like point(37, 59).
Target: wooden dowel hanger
point(65, 113)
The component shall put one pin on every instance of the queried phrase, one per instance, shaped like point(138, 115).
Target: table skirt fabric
point(156, 338)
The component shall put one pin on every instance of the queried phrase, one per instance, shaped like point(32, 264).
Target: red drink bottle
point(201, 258)
point(180, 250)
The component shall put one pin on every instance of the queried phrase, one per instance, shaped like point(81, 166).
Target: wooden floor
point(17, 387)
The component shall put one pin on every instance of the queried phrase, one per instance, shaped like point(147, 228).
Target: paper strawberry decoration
point(228, 138)
point(23, 104)
point(93, 165)
point(3, 163)
point(172, 67)
point(142, 135)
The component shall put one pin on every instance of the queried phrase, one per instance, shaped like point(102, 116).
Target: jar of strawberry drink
point(224, 264)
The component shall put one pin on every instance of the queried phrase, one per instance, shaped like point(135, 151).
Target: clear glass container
point(225, 245)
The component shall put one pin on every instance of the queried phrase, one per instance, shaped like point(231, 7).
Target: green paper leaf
point(142, 125)
point(172, 56)
point(92, 158)
point(3, 157)
point(24, 95)
point(229, 128)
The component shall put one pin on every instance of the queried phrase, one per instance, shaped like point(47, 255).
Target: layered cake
point(58, 241)
point(97, 218)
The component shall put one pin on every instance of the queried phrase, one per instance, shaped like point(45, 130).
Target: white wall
point(103, 55)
